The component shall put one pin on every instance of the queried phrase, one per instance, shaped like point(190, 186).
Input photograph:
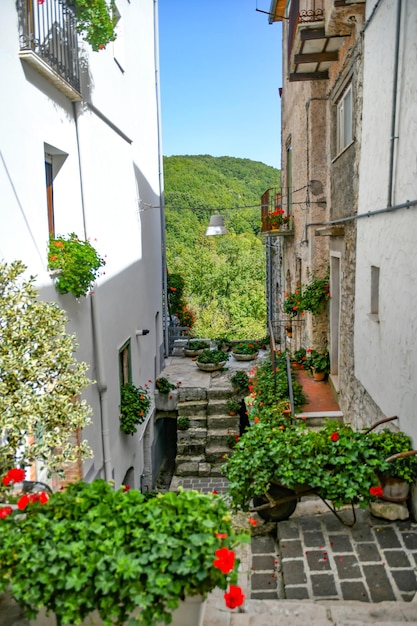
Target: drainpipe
point(394, 103)
point(350, 218)
point(97, 343)
point(165, 315)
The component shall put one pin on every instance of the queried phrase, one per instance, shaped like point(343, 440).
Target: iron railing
point(274, 220)
point(48, 29)
point(302, 12)
point(288, 334)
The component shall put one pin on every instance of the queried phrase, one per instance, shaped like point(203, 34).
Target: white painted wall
point(385, 346)
point(112, 169)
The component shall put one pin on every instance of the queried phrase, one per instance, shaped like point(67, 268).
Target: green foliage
point(78, 262)
point(320, 361)
point(233, 405)
point(134, 405)
point(338, 462)
point(244, 347)
point(224, 276)
point(39, 378)
point(183, 423)
point(387, 443)
point(163, 385)
point(177, 302)
point(95, 548)
point(212, 356)
point(96, 21)
point(240, 382)
point(197, 344)
point(270, 387)
point(300, 356)
point(310, 297)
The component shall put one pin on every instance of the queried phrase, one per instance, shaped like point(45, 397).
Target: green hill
point(224, 276)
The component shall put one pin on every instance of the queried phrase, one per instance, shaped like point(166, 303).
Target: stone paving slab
point(375, 561)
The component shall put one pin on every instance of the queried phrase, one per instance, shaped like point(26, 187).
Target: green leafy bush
point(78, 264)
point(91, 547)
point(212, 356)
point(96, 21)
point(339, 463)
point(244, 347)
point(310, 297)
point(320, 361)
point(183, 423)
point(134, 405)
point(270, 387)
point(388, 443)
point(163, 385)
point(240, 382)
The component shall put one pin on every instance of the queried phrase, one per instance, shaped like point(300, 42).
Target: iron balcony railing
point(48, 31)
point(302, 12)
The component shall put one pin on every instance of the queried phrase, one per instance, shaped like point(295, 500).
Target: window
point(50, 195)
point(374, 291)
point(54, 160)
point(344, 120)
point(125, 364)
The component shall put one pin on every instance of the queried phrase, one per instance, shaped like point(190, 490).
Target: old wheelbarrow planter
point(277, 462)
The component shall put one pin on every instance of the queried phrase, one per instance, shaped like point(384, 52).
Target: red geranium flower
point(15, 475)
point(221, 535)
point(225, 561)
point(234, 597)
point(252, 521)
point(376, 491)
point(23, 502)
point(5, 511)
point(334, 436)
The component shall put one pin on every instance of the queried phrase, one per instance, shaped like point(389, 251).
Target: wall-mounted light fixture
point(139, 333)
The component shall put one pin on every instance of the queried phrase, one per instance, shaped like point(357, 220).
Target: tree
point(40, 379)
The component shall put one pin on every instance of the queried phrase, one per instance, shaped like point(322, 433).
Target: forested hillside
point(224, 276)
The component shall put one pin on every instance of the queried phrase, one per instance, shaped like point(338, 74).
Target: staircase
point(202, 447)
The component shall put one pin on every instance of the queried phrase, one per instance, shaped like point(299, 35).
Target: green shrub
point(134, 405)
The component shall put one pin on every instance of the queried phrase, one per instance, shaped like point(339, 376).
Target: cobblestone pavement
point(317, 557)
point(314, 556)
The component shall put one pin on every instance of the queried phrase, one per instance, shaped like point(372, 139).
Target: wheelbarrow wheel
point(282, 510)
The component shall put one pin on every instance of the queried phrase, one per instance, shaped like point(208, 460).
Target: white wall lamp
point(144, 331)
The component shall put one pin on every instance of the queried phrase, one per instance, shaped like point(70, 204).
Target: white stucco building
point(90, 121)
point(386, 276)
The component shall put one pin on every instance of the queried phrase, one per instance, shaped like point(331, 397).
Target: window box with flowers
point(131, 557)
point(276, 221)
point(74, 263)
point(134, 406)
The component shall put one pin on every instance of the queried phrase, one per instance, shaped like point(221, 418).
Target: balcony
point(274, 220)
point(316, 31)
point(48, 42)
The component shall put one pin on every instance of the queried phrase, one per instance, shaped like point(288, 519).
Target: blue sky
point(220, 70)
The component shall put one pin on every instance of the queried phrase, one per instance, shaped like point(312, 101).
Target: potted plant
point(299, 358)
point(245, 351)
point(95, 20)
point(336, 462)
point(240, 382)
point(119, 552)
point(183, 423)
point(74, 263)
point(397, 475)
point(233, 406)
point(232, 439)
point(196, 346)
point(166, 395)
point(134, 405)
point(320, 363)
point(211, 360)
